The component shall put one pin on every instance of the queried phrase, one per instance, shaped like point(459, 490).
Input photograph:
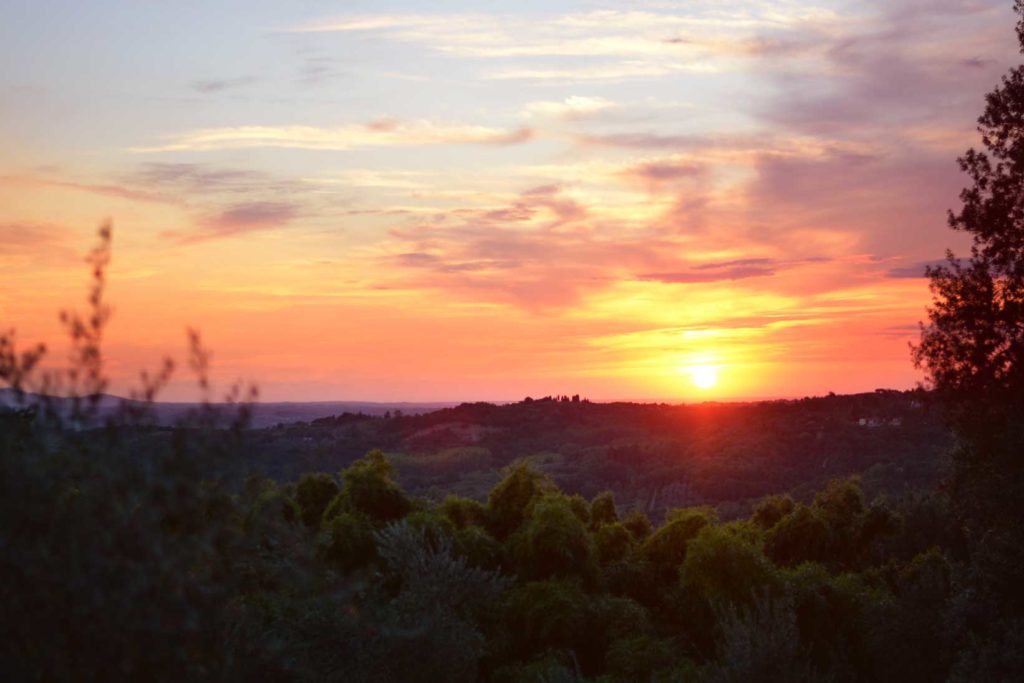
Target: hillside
point(653, 456)
point(263, 414)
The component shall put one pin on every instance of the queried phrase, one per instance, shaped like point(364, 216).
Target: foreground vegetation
point(118, 566)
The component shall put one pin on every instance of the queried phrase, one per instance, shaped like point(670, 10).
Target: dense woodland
point(653, 457)
point(487, 547)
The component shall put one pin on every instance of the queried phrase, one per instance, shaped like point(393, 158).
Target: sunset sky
point(455, 200)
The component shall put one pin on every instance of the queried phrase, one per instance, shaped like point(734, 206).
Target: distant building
point(872, 422)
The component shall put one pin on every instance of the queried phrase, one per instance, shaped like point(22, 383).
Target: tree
point(464, 512)
point(666, 548)
point(638, 524)
point(800, 536)
point(973, 352)
point(553, 541)
point(314, 493)
point(370, 490)
point(509, 501)
point(771, 510)
point(612, 542)
point(973, 346)
point(346, 541)
point(725, 568)
point(602, 510)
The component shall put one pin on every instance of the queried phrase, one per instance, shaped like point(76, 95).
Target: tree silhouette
point(973, 351)
point(973, 345)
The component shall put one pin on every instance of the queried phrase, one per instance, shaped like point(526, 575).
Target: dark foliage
point(973, 351)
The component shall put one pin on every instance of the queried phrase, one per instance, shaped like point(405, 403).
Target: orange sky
point(460, 205)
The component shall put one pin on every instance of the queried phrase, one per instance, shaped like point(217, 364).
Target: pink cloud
point(239, 219)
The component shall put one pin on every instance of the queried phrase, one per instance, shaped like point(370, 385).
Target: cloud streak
point(107, 190)
point(617, 44)
point(378, 133)
point(238, 219)
point(217, 85)
point(36, 243)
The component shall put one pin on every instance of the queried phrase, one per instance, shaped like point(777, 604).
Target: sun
point(704, 376)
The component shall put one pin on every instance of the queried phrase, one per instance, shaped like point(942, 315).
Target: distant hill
point(263, 415)
point(654, 456)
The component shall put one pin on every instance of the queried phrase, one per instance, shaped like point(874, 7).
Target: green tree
point(314, 493)
point(801, 536)
point(639, 524)
point(666, 548)
point(479, 548)
point(580, 508)
point(602, 509)
point(464, 512)
point(544, 615)
point(760, 644)
point(509, 502)
point(771, 510)
point(369, 489)
point(430, 624)
point(554, 541)
point(612, 542)
point(725, 568)
point(346, 541)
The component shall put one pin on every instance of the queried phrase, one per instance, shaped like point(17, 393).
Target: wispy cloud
point(380, 133)
point(661, 173)
point(630, 33)
point(542, 250)
point(914, 271)
point(200, 180)
point(35, 244)
point(619, 44)
point(319, 69)
point(116, 191)
point(735, 269)
point(217, 85)
point(697, 276)
point(238, 219)
point(571, 108)
point(363, 177)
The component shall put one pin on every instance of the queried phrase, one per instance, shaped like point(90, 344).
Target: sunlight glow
point(704, 376)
